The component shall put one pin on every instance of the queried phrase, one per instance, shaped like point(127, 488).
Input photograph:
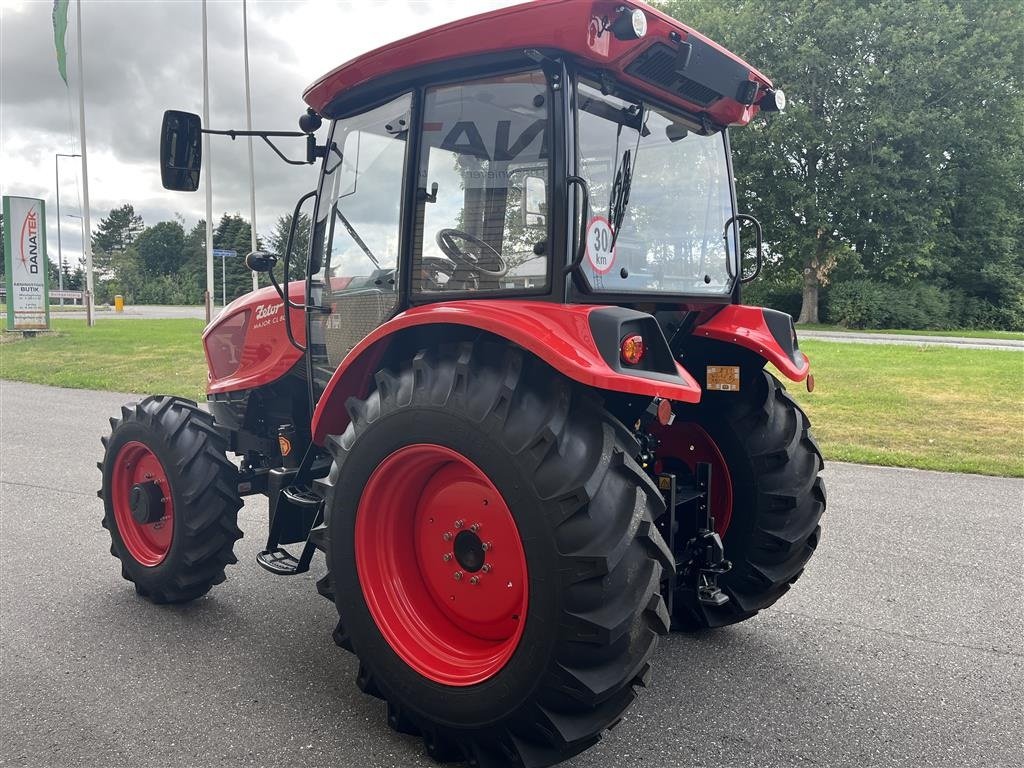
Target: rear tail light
point(632, 349)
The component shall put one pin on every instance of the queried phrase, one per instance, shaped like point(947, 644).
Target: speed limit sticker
point(600, 252)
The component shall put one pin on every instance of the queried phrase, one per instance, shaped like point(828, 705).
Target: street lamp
point(60, 254)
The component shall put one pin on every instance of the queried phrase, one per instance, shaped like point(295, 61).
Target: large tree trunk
point(812, 279)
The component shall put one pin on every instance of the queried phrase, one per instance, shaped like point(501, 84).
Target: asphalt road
point(901, 645)
point(962, 342)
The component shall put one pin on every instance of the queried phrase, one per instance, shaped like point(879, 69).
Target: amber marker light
point(632, 349)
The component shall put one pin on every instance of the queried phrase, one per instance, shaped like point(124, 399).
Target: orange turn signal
point(632, 349)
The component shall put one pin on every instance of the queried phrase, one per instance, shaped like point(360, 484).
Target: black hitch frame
point(689, 529)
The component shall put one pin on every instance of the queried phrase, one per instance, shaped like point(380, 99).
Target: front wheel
point(494, 558)
point(767, 496)
point(170, 498)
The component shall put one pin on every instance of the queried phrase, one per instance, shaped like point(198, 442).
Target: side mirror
point(535, 205)
point(181, 151)
point(261, 261)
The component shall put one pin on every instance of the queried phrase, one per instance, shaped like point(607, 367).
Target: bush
point(872, 304)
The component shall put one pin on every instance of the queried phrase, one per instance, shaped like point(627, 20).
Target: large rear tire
point(170, 498)
point(482, 444)
point(767, 495)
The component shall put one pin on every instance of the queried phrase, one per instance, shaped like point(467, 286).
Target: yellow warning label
point(724, 378)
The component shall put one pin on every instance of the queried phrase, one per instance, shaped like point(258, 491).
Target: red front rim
point(689, 443)
point(136, 465)
point(441, 564)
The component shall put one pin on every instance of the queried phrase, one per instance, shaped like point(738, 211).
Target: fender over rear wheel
point(494, 558)
point(170, 498)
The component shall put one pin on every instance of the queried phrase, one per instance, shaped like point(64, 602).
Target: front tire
point(170, 498)
point(483, 435)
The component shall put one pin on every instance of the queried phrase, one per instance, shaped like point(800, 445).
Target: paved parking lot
point(901, 646)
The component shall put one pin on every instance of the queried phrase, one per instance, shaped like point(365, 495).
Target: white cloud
point(144, 57)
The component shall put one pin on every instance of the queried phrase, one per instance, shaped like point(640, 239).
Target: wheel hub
point(469, 551)
point(146, 501)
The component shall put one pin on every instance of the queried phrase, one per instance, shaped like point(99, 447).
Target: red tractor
point(516, 399)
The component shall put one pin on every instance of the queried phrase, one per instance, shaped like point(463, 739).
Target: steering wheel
point(446, 242)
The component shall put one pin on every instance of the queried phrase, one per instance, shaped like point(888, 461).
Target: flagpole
point(248, 127)
point(86, 225)
point(208, 297)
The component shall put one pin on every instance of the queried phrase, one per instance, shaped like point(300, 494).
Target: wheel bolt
point(474, 527)
point(458, 575)
point(447, 536)
point(486, 568)
point(447, 556)
point(486, 546)
point(474, 580)
point(459, 523)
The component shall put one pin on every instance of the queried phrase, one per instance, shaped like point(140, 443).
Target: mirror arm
point(282, 156)
point(313, 151)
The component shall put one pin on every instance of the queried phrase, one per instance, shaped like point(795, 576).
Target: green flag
point(60, 27)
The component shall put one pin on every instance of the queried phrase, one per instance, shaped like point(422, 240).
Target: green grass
point(960, 410)
point(143, 356)
point(930, 407)
point(965, 334)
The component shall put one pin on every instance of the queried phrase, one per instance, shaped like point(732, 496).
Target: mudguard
point(579, 341)
point(767, 332)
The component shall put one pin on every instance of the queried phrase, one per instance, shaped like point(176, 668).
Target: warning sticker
point(724, 378)
point(600, 253)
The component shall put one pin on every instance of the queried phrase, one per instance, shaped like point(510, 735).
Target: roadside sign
point(224, 254)
point(26, 263)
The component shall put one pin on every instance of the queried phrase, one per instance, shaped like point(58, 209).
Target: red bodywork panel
point(746, 326)
point(559, 334)
point(570, 26)
point(246, 345)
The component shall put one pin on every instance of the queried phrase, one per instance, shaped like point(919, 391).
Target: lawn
point(964, 334)
point(930, 407)
point(144, 356)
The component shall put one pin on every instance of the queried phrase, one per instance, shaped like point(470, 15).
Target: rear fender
point(579, 341)
point(766, 332)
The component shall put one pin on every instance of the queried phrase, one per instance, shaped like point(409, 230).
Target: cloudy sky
point(144, 56)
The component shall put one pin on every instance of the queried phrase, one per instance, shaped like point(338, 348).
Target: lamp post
point(60, 254)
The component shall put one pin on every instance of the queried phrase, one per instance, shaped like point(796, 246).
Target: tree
point(233, 233)
point(862, 170)
point(278, 241)
point(115, 234)
point(161, 249)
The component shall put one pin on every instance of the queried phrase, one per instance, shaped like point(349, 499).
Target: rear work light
point(632, 349)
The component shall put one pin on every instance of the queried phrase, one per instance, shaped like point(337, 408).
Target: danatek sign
point(25, 260)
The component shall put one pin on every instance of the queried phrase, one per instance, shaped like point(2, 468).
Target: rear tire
point(167, 450)
point(582, 511)
point(778, 498)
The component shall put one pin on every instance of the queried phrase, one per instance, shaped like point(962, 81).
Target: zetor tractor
point(516, 399)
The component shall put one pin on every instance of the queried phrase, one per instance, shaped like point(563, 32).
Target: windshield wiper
point(355, 236)
point(624, 169)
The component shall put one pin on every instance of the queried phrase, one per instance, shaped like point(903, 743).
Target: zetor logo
point(267, 310)
point(30, 236)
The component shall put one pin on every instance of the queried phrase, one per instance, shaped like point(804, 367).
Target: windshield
point(668, 185)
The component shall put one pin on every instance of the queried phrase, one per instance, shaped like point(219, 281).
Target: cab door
point(357, 232)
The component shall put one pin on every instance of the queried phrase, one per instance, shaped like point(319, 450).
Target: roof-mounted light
point(630, 24)
point(773, 101)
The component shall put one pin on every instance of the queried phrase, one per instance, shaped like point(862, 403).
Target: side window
point(360, 218)
point(483, 186)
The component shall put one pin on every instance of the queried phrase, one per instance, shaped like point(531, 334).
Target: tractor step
point(302, 496)
point(280, 562)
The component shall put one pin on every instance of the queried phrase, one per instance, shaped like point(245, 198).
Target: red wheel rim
point(441, 564)
point(136, 465)
point(690, 444)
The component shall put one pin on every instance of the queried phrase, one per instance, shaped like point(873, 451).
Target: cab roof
point(671, 62)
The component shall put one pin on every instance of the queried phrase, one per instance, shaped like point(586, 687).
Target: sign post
point(224, 254)
point(26, 263)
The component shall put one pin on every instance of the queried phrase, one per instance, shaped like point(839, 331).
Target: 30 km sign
point(28, 280)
